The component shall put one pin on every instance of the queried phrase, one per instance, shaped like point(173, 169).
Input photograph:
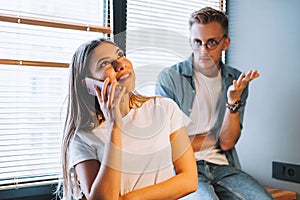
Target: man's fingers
point(249, 74)
point(235, 84)
point(240, 79)
point(254, 74)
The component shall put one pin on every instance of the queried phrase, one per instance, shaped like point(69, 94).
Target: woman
point(119, 144)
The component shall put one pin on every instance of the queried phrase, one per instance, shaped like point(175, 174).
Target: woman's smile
point(124, 77)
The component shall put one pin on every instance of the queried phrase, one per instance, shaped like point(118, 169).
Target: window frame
point(47, 190)
point(29, 193)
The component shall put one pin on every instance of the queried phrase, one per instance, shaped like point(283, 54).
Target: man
point(214, 96)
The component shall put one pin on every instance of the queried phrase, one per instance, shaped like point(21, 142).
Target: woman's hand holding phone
point(90, 85)
point(109, 97)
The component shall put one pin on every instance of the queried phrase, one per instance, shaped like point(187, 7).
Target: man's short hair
point(207, 15)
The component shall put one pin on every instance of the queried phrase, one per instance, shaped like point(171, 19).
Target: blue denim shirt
point(177, 83)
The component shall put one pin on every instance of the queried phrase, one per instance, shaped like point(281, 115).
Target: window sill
point(44, 192)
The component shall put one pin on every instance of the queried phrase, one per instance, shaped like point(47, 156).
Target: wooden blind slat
point(54, 24)
point(33, 63)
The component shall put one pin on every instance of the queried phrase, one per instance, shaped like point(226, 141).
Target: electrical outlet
point(286, 171)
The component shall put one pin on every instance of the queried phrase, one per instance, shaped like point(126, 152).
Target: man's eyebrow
point(212, 38)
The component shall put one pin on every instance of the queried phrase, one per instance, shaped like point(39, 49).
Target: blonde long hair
point(83, 112)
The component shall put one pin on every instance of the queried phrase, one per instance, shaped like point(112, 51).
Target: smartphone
point(90, 83)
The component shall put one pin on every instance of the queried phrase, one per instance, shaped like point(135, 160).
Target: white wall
point(265, 35)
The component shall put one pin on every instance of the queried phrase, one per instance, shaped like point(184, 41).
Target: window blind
point(31, 114)
point(37, 41)
point(157, 36)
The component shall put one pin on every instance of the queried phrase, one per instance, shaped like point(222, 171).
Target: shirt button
point(190, 110)
point(193, 91)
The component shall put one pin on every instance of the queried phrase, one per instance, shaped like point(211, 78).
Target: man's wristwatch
point(236, 107)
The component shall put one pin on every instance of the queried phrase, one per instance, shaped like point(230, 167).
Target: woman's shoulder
point(84, 136)
point(86, 140)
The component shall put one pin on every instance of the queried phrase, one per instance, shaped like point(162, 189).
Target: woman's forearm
point(106, 184)
point(171, 189)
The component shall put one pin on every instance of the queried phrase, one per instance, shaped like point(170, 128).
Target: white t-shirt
point(204, 114)
point(204, 111)
point(147, 157)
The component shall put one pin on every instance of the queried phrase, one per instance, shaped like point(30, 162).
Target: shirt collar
point(226, 71)
point(187, 70)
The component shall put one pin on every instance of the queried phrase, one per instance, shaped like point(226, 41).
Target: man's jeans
point(226, 182)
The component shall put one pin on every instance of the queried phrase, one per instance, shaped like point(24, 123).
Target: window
point(37, 40)
point(158, 36)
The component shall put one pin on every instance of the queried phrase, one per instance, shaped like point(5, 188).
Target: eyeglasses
point(211, 44)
